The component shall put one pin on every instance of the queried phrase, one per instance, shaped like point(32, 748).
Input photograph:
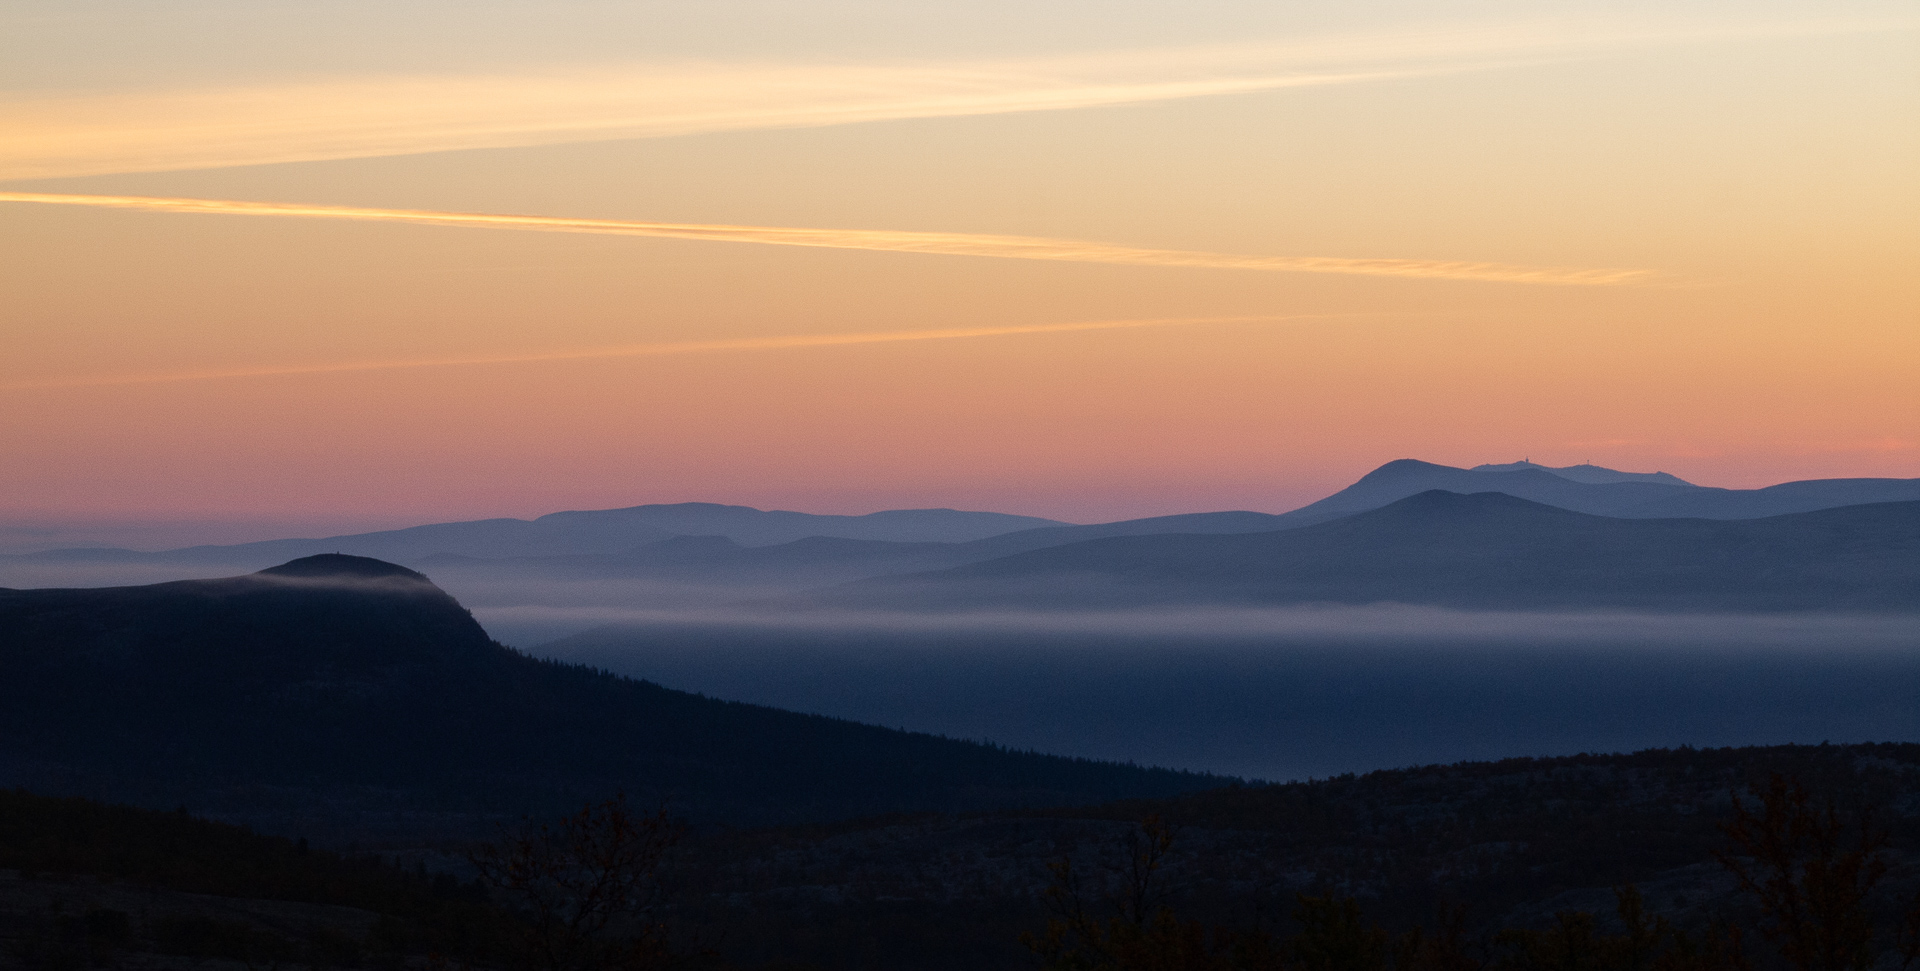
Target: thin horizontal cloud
point(884, 240)
point(55, 137)
point(786, 342)
point(75, 134)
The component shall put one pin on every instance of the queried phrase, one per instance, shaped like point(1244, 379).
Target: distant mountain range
point(341, 685)
point(607, 531)
point(1586, 472)
point(1485, 550)
point(1581, 488)
point(985, 535)
point(538, 580)
point(1604, 492)
point(349, 686)
point(1610, 494)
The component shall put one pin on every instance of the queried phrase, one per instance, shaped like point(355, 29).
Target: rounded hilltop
point(341, 566)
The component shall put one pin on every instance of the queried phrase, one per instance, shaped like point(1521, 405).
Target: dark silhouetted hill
point(1485, 550)
point(347, 686)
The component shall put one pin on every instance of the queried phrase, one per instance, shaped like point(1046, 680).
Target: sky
point(274, 267)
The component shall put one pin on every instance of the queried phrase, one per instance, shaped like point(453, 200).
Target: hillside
point(1512, 843)
point(115, 886)
point(339, 691)
point(1515, 844)
point(1485, 550)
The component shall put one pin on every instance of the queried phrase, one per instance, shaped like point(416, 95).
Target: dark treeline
point(86, 883)
point(1768, 859)
point(1510, 830)
point(1489, 846)
point(1810, 873)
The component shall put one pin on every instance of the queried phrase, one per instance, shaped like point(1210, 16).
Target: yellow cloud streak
point(62, 136)
point(72, 133)
point(894, 241)
point(643, 350)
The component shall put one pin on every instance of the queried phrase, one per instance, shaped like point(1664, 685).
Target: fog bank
point(1304, 693)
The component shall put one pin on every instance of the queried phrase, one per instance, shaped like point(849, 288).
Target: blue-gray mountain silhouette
point(1581, 488)
point(1590, 489)
point(605, 531)
point(1484, 550)
point(1585, 472)
point(1633, 499)
point(560, 574)
point(909, 539)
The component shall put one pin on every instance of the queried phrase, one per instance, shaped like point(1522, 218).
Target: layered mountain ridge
point(1585, 472)
point(1486, 550)
point(532, 582)
point(981, 535)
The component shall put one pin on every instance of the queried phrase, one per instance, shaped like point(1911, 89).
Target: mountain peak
point(655, 509)
point(1400, 468)
point(1586, 472)
point(1448, 503)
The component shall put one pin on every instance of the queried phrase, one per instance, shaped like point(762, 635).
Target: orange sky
point(1733, 186)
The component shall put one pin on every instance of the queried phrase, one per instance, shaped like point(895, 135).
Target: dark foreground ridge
point(1515, 843)
point(334, 692)
point(1503, 857)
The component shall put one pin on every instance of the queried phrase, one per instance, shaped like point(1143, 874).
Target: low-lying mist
point(1274, 693)
point(1397, 623)
point(1296, 693)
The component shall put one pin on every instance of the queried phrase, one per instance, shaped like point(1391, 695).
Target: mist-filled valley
point(1285, 695)
point(1260, 693)
point(1395, 623)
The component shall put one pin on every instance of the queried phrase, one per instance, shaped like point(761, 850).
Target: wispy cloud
point(73, 134)
point(886, 240)
point(61, 136)
point(636, 350)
